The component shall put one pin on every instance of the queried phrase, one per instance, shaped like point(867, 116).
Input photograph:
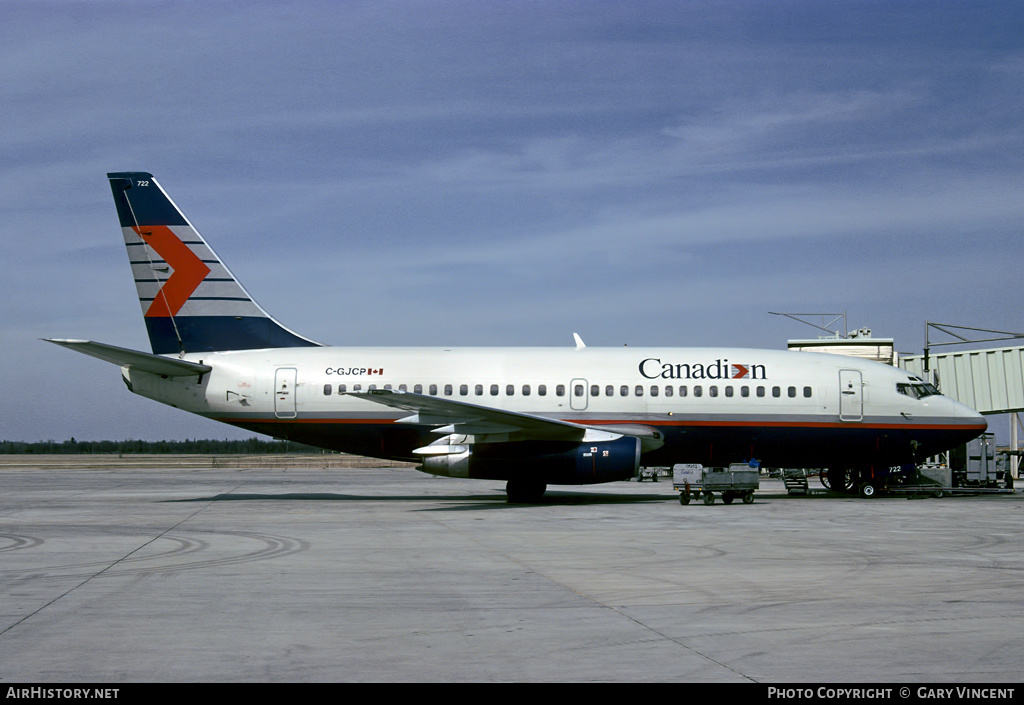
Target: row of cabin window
point(579, 390)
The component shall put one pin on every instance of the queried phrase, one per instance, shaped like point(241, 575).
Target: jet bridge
point(989, 381)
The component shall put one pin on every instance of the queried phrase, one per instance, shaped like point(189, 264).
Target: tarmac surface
point(128, 573)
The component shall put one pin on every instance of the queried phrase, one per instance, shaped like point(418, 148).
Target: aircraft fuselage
point(712, 406)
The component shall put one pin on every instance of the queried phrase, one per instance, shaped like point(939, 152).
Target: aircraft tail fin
point(190, 300)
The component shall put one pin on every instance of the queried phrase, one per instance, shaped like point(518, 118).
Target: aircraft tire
point(525, 491)
point(868, 490)
point(748, 498)
point(838, 479)
point(709, 498)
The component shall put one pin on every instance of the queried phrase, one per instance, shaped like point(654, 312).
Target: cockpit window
point(916, 388)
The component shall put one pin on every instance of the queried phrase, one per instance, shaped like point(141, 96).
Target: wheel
point(748, 498)
point(837, 479)
point(709, 498)
point(727, 498)
point(525, 491)
point(867, 490)
point(937, 494)
point(684, 498)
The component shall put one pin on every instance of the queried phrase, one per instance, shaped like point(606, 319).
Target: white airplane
point(529, 416)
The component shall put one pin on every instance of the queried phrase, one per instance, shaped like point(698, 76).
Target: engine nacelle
point(553, 462)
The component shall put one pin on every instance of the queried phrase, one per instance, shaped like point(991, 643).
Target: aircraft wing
point(123, 357)
point(460, 417)
point(472, 419)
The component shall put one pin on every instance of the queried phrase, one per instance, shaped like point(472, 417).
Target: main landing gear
point(525, 490)
point(838, 479)
point(850, 481)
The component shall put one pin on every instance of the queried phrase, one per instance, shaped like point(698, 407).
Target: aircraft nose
point(969, 415)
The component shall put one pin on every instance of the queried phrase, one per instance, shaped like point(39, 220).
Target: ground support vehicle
point(941, 481)
point(739, 480)
point(652, 474)
point(927, 481)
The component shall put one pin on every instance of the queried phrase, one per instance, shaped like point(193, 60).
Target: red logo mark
point(739, 371)
point(189, 270)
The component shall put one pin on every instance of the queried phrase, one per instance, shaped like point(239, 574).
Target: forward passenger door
point(851, 395)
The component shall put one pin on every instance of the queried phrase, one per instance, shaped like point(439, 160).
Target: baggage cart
point(739, 480)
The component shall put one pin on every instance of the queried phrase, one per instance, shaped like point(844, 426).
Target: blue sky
point(507, 173)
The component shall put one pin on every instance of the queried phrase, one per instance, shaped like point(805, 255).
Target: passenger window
point(479, 389)
point(510, 390)
point(327, 390)
point(760, 391)
point(357, 387)
point(542, 390)
point(728, 391)
point(654, 390)
point(560, 390)
point(464, 390)
point(577, 390)
point(669, 390)
point(417, 389)
point(402, 388)
point(447, 390)
point(807, 392)
point(639, 391)
point(595, 391)
point(682, 390)
point(776, 392)
point(433, 390)
point(744, 391)
point(713, 391)
point(609, 391)
point(494, 390)
point(624, 391)
point(792, 392)
point(526, 390)
point(341, 389)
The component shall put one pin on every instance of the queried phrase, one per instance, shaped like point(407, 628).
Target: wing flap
point(472, 419)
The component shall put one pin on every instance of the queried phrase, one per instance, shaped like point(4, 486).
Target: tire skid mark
point(172, 552)
point(14, 542)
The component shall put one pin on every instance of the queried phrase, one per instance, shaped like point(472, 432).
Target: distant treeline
point(249, 446)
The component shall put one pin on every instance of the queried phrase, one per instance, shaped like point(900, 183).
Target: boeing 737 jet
point(532, 417)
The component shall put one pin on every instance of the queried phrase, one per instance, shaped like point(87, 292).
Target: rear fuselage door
point(284, 393)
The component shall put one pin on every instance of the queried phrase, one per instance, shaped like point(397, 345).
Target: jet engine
point(552, 462)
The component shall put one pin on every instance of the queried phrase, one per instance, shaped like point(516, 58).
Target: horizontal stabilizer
point(145, 362)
